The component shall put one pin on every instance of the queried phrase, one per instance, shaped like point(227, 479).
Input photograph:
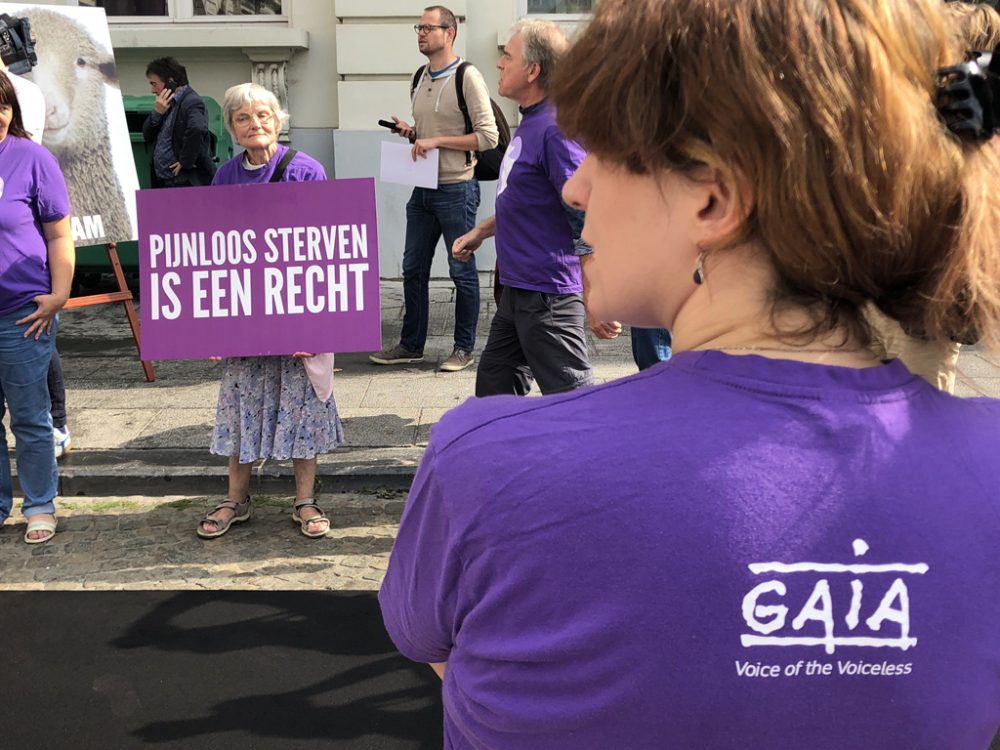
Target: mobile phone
point(389, 124)
point(170, 84)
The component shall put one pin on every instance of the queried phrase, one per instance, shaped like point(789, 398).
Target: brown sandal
point(241, 512)
point(304, 523)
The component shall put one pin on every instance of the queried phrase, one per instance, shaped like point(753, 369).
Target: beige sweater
point(436, 112)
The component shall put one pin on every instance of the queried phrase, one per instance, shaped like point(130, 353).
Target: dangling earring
point(699, 271)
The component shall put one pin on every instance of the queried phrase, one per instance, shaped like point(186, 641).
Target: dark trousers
point(535, 336)
point(57, 390)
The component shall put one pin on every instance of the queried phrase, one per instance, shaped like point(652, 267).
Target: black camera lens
point(17, 48)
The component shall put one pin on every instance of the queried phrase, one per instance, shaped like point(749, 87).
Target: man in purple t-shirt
point(538, 332)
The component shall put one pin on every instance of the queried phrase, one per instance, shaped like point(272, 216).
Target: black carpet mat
point(217, 670)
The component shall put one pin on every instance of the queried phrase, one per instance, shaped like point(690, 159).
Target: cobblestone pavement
point(121, 543)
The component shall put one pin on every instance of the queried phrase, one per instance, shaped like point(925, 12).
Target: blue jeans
point(649, 346)
point(24, 390)
point(450, 210)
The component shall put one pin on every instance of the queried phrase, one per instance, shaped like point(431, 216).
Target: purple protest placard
point(248, 270)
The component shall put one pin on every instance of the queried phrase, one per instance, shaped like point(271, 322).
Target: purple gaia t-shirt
point(302, 168)
point(32, 192)
point(534, 242)
point(719, 552)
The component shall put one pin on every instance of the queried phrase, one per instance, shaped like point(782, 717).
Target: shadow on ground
point(220, 670)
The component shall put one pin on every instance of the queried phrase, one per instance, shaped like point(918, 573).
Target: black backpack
point(487, 162)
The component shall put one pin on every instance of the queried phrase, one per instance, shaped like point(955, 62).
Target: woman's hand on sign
point(303, 355)
point(40, 321)
point(215, 359)
point(163, 99)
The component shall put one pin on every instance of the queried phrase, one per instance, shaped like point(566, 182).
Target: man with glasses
point(450, 210)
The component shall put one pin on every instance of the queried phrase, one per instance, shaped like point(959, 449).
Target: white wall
point(376, 85)
point(312, 73)
point(357, 155)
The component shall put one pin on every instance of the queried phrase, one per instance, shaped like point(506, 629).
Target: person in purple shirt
point(270, 407)
point(803, 550)
point(539, 329)
point(36, 271)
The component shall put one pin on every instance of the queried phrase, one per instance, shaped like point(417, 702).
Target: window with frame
point(188, 8)
point(559, 7)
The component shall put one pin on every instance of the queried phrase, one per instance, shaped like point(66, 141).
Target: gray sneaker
point(458, 360)
point(396, 355)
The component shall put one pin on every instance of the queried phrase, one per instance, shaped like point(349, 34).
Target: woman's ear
point(727, 202)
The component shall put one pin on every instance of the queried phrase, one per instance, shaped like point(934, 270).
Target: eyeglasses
point(427, 28)
point(263, 117)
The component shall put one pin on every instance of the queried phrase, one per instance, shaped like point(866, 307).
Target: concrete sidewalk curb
point(159, 472)
point(137, 438)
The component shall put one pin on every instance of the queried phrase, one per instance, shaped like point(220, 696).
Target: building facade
point(338, 66)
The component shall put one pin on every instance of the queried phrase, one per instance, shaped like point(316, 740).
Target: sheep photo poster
point(246, 270)
point(85, 125)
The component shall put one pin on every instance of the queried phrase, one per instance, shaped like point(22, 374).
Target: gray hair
point(544, 44)
point(250, 93)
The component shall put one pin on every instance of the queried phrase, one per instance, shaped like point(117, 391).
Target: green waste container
point(94, 258)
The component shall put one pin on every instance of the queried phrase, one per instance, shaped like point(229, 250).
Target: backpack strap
point(460, 93)
point(279, 171)
point(416, 79)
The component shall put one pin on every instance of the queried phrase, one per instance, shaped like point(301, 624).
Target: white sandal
point(49, 526)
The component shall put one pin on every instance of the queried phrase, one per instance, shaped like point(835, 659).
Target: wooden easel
point(123, 295)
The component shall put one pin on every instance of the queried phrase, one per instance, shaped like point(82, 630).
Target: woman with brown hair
point(977, 28)
point(803, 553)
point(36, 270)
point(976, 22)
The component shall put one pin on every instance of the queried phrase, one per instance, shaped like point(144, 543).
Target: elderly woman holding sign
point(270, 407)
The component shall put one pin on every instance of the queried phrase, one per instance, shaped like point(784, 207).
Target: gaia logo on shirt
point(766, 615)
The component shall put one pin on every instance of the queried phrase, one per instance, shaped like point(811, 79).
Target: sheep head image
point(72, 70)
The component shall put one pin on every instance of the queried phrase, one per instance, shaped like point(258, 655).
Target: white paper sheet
point(398, 166)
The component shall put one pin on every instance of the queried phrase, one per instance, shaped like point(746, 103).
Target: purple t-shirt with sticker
point(302, 168)
point(534, 241)
point(719, 552)
point(32, 192)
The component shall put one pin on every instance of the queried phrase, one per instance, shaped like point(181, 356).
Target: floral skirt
point(268, 409)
